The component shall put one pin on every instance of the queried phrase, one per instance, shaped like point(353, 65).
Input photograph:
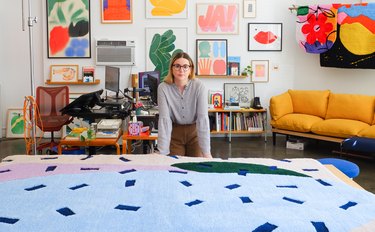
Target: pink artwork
point(213, 18)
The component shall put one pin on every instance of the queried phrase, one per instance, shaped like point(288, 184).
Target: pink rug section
point(30, 170)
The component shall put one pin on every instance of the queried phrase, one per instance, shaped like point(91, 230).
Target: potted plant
point(248, 71)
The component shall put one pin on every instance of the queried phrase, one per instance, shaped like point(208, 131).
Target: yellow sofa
point(323, 115)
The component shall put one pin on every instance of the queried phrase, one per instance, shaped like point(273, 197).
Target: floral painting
point(68, 29)
point(316, 27)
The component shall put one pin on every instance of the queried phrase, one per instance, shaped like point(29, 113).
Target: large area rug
point(169, 193)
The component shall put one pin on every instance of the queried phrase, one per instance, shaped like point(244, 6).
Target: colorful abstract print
point(344, 34)
point(316, 27)
point(355, 47)
point(68, 28)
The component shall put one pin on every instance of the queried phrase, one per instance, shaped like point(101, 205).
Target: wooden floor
point(249, 147)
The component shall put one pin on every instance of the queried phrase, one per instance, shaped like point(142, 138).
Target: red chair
point(50, 100)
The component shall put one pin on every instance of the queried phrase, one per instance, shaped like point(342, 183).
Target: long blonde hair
point(169, 78)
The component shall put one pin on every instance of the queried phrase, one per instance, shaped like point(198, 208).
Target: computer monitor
point(153, 83)
point(112, 79)
point(143, 83)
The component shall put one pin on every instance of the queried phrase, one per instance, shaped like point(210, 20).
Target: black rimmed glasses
point(184, 67)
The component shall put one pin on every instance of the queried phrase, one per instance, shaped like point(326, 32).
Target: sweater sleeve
point(203, 123)
point(164, 123)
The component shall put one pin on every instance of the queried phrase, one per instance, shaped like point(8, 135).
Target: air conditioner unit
point(115, 52)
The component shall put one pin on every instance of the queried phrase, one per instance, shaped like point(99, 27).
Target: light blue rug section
point(163, 201)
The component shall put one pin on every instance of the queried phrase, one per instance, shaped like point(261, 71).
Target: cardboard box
point(295, 145)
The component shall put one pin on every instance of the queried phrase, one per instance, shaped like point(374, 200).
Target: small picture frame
point(241, 93)
point(260, 70)
point(15, 124)
point(116, 11)
point(64, 73)
point(249, 8)
point(88, 74)
point(264, 36)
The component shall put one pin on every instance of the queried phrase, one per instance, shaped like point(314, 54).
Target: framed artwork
point(243, 93)
point(260, 71)
point(161, 44)
point(217, 18)
point(212, 57)
point(249, 8)
point(164, 9)
point(265, 36)
point(116, 11)
point(143, 83)
point(68, 29)
point(64, 73)
point(15, 124)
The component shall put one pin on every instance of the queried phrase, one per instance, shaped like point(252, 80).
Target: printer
point(109, 128)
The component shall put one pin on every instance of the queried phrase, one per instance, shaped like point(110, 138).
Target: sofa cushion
point(351, 106)
point(280, 105)
point(341, 128)
point(368, 132)
point(296, 122)
point(313, 102)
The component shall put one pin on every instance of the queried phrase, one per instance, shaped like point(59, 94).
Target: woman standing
point(183, 127)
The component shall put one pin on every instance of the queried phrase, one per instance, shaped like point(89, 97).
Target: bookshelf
point(238, 121)
point(220, 76)
point(80, 82)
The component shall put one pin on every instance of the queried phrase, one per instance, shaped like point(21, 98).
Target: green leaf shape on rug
point(233, 167)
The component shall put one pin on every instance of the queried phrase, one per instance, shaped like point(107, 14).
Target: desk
point(126, 137)
point(91, 143)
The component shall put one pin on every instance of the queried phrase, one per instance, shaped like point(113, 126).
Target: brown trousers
point(184, 141)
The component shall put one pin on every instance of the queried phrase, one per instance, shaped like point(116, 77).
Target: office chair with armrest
point(50, 100)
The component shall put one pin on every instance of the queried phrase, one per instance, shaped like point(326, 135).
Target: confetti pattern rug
point(169, 193)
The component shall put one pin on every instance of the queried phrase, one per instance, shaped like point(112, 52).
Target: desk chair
point(49, 101)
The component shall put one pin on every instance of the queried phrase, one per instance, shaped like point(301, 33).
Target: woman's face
point(181, 69)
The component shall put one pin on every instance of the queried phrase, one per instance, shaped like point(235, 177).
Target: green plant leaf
point(160, 51)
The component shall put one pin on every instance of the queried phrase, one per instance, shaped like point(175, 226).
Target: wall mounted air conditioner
point(115, 52)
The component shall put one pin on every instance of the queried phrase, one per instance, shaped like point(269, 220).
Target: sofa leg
point(274, 138)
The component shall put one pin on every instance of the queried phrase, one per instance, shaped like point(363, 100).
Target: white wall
point(290, 68)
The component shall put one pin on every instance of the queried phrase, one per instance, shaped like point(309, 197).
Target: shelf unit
point(261, 115)
point(220, 76)
point(96, 82)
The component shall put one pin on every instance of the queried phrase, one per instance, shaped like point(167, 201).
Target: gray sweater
point(187, 108)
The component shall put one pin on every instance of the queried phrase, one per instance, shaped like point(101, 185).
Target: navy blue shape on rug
point(65, 211)
point(348, 205)
point(320, 227)
point(127, 171)
point(78, 186)
point(191, 203)
point(8, 220)
point(266, 227)
point(35, 187)
point(127, 207)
